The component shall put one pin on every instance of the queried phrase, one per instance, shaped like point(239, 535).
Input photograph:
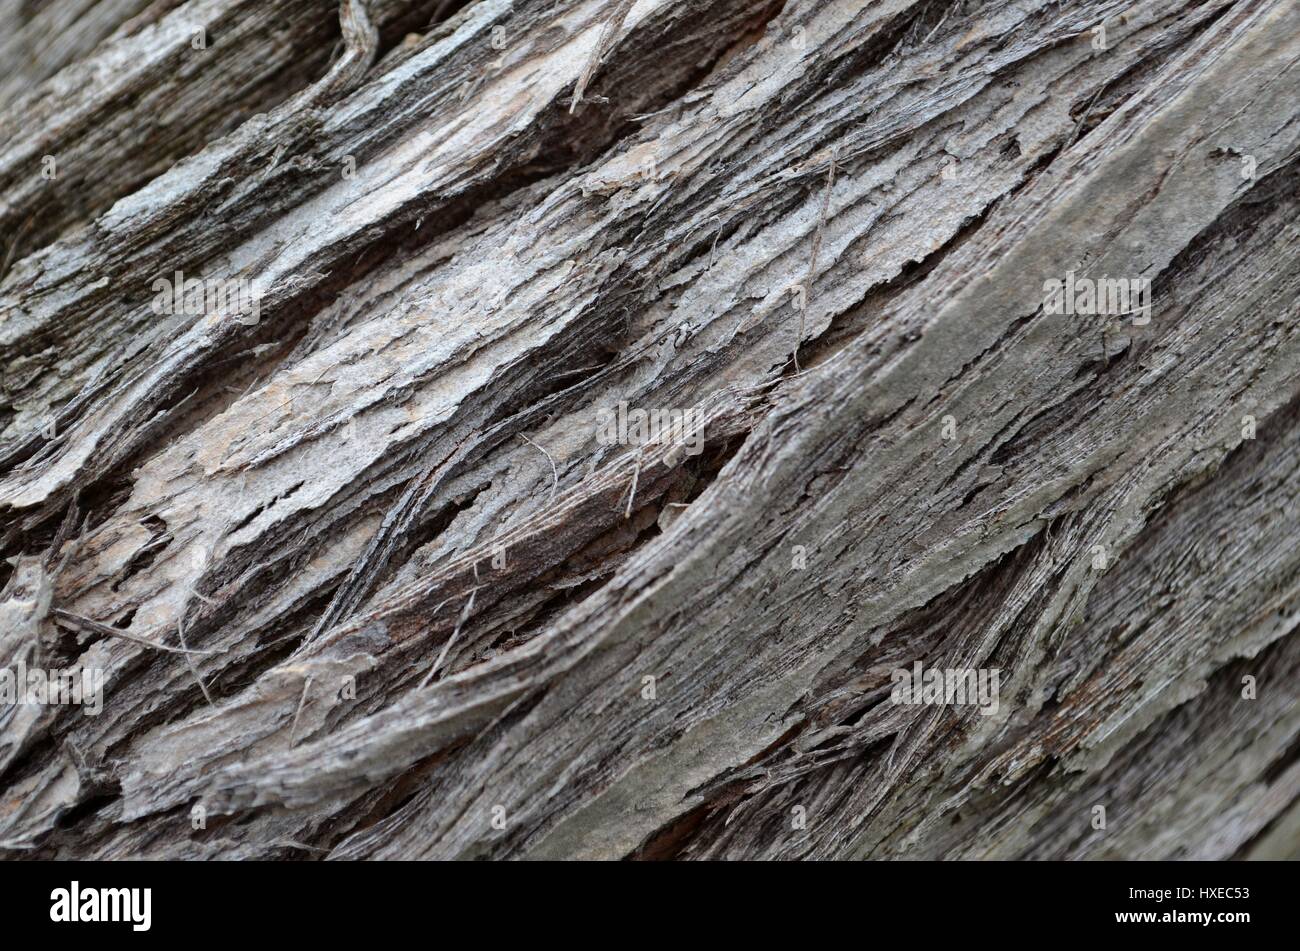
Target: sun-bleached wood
point(410, 602)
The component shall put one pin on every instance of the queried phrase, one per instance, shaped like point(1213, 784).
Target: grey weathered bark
point(361, 575)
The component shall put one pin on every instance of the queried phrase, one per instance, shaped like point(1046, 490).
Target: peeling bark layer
point(364, 577)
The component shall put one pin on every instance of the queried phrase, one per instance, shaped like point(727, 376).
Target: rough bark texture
point(363, 580)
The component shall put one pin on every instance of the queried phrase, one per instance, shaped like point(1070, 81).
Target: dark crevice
point(1290, 756)
point(669, 842)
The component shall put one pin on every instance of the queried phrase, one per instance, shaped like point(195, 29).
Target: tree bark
point(366, 575)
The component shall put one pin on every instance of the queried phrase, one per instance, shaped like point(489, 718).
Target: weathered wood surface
point(825, 224)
